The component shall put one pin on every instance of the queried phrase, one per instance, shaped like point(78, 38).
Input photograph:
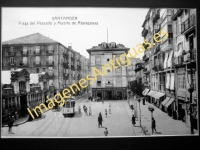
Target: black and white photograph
point(85, 72)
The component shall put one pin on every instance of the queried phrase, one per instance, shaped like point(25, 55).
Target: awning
point(158, 95)
point(150, 93)
point(165, 101)
point(169, 102)
point(145, 92)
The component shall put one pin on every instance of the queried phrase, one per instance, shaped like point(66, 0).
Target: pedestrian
point(133, 120)
point(153, 125)
point(79, 110)
point(106, 132)
point(109, 108)
point(106, 112)
point(144, 101)
point(100, 120)
point(86, 111)
point(10, 124)
point(90, 111)
point(16, 115)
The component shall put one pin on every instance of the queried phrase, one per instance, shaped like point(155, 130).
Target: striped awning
point(145, 92)
point(169, 102)
point(165, 101)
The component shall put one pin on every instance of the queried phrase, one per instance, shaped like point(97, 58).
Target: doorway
point(23, 102)
point(99, 94)
point(109, 94)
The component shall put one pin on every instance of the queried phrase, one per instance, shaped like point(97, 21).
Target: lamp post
point(140, 110)
point(151, 109)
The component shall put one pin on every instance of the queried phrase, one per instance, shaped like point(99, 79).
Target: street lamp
point(140, 110)
point(151, 109)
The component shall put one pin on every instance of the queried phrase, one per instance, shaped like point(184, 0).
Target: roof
point(34, 78)
point(108, 47)
point(30, 39)
point(5, 78)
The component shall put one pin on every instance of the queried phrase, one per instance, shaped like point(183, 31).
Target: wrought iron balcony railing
point(50, 63)
point(176, 13)
point(188, 23)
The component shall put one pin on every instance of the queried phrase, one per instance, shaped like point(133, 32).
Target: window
point(50, 48)
point(25, 60)
point(12, 49)
point(44, 69)
point(25, 50)
point(37, 50)
point(181, 78)
point(37, 70)
point(12, 60)
point(118, 71)
point(98, 60)
point(50, 59)
point(37, 59)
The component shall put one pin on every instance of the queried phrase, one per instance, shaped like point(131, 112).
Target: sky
point(124, 25)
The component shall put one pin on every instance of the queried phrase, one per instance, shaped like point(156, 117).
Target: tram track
point(40, 126)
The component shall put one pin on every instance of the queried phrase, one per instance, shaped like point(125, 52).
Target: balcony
point(156, 15)
point(50, 63)
point(37, 52)
point(176, 13)
point(188, 24)
point(50, 51)
point(187, 57)
point(78, 67)
point(37, 63)
point(65, 55)
point(167, 44)
point(144, 32)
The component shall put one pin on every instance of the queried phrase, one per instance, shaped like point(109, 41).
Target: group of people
point(85, 109)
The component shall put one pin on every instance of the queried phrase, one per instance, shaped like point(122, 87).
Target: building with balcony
point(37, 53)
point(172, 62)
point(185, 45)
point(112, 85)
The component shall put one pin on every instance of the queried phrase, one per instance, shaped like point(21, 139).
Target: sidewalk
point(165, 125)
point(19, 121)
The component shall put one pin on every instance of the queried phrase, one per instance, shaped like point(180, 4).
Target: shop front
point(110, 93)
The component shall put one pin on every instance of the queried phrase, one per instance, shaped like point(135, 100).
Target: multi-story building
point(22, 90)
point(185, 46)
point(112, 85)
point(171, 62)
point(37, 54)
